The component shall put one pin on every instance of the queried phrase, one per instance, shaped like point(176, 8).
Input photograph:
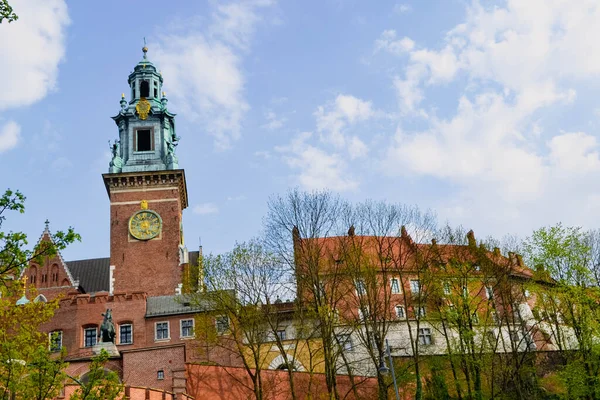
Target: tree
point(14, 256)
point(570, 306)
point(241, 286)
point(6, 12)
point(27, 366)
point(99, 383)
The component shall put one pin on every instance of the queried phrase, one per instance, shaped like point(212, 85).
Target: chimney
point(351, 230)
point(471, 238)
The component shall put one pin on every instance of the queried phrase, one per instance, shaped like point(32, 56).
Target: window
point(363, 313)
point(144, 89)
point(155, 90)
point(400, 312)
point(55, 340)
point(162, 331)
point(421, 312)
point(491, 337)
point(489, 292)
point(282, 334)
point(222, 324)
point(415, 286)
point(187, 328)
point(514, 336)
point(447, 290)
point(125, 334)
point(345, 341)
point(360, 287)
point(395, 284)
point(144, 140)
point(476, 268)
point(160, 374)
point(425, 336)
point(90, 336)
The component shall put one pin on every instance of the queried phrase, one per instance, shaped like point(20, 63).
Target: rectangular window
point(162, 331)
point(447, 290)
point(282, 334)
point(222, 324)
point(144, 140)
point(415, 286)
point(395, 285)
point(514, 336)
point(187, 328)
point(360, 287)
point(160, 374)
point(421, 312)
point(90, 336)
point(125, 334)
point(425, 336)
point(489, 291)
point(55, 340)
point(345, 342)
point(400, 312)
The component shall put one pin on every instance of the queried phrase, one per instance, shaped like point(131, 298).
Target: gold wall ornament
point(145, 225)
point(144, 205)
point(143, 108)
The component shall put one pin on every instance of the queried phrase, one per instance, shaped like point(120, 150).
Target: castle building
point(141, 281)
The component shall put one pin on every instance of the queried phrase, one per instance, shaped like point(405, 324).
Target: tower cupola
point(147, 138)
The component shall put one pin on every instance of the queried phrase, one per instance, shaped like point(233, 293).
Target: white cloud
point(9, 136)
point(273, 123)
point(333, 118)
point(319, 169)
point(31, 50)
point(209, 65)
point(205, 209)
point(402, 8)
point(506, 163)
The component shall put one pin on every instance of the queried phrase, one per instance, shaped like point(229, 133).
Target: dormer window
point(144, 89)
point(144, 139)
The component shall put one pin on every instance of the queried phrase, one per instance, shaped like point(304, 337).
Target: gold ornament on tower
point(143, 108)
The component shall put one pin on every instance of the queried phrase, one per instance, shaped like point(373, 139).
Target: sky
point(486, 112)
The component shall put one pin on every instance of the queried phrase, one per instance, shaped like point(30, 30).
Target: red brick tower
point(147, 191)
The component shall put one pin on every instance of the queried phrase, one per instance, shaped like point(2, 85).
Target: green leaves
point(99, 383)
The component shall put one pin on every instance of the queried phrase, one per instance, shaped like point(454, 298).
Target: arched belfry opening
point(144, 89)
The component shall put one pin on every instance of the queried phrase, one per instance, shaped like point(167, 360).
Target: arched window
point(40, 299)
point(55, 273)
point(32, 275)
point(144, 89)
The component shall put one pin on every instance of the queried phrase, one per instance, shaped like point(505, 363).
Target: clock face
point(145, 225)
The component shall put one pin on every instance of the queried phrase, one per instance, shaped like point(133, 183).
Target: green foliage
point(101, 384)
point(6, 12)
point(26, 365)
point(14, 256)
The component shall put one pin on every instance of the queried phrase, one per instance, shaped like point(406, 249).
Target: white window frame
point(446, 288)
point(181, 321)
point(121, 326)
point(60, 342)
point(415, 283)
point(425, 336)
point(222, 331)
point(160, 374)
point(361, 288)
point(489, 291)
point(278, 333)
point(95, 328)
point(421, 312)
point(156, 339)
point(397, 281)
point(399, 307)
point(345, 341)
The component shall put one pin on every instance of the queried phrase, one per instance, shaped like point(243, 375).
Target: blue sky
point(484, 111)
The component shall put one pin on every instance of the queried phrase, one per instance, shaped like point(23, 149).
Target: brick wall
point(212, 382)
point(140, 367)
point(152, 265)
point(138, 393)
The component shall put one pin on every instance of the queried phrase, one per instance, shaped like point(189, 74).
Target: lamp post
point(383, 369)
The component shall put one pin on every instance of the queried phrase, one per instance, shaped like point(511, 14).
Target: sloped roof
point(93, 274)
point(172, 305)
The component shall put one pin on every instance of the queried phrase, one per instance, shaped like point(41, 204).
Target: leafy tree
point(100, 383)
point(6, 12)
point(14, 256)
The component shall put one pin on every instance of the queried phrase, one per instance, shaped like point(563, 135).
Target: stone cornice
point(148, 179)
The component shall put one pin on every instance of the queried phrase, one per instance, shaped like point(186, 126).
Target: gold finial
point(24, 280)
point(164, 94)
point(122, 95)
point(144, 205)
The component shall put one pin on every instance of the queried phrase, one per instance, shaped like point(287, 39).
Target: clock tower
point(147, 191)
